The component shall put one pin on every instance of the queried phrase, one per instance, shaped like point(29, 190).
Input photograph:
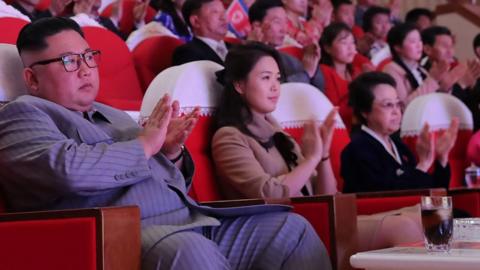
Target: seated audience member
point(268, 20)
point(363, 5)
point(344, 12)
point(253, 156)
point(303, 31)
point(94, 155)
point(438, 45)
point(375, 160)
point(376, 24)
point(411, 79)
point(9, 11)
point(170, 16)
point(338, 52)
point(421, 18)
point(208, 21)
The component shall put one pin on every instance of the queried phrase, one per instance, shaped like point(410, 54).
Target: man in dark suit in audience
point(208, 21)
point(269, 26)
point(61, 149)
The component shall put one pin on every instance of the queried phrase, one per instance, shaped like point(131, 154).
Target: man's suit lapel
point(210, 53)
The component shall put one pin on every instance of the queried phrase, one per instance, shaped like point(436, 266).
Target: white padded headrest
point(436, 109)
point(192, 84)
point(11, 69)
point(300, 102)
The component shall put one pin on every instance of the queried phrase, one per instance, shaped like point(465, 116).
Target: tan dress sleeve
point(239, 166)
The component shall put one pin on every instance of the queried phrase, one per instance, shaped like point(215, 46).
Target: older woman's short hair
point(361, 92)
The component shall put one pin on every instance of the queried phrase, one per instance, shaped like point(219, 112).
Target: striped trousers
point(270, 241)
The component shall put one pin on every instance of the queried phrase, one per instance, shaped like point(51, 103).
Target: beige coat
point(246, 169)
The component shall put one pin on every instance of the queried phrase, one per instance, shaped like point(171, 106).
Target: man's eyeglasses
point(72, 61)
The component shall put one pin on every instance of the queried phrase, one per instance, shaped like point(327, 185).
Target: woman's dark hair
point(330, 33)
point(396, 36)
point(360, 92)
point(233, 110)
point(168, 7)
point(370, 14)
point(240, 60)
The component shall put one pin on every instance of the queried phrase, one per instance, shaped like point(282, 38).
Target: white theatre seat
point(11, 69)
point(438, 110)
point(300, 102)
point(193, 85)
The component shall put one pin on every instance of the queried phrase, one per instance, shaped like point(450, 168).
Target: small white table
point(408, 258)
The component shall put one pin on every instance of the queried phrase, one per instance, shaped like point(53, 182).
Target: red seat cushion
point(152, 56)
point(119, 85)
point(468, 202)
point(205, 186)
point(10, 29)
point(318, 215)
point(53, 244)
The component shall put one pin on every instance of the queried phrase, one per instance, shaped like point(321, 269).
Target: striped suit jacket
point(54, 158)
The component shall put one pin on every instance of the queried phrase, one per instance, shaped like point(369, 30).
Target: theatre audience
point(376, 25)
point(439, 45)
point(268, 20)
point(338, 52)
point(302, 30)
point(344, 12)
point(61, 149)
point(375, 160)
point(411, 79)
point(30, 8)
point(208, 22)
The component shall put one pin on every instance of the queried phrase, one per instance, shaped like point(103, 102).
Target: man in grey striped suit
point(60, 149)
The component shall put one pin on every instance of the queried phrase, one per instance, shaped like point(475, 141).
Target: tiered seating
point(10, 29)
point(437, 110)
point(152, 56)
point(87, 239)
point(119, 85)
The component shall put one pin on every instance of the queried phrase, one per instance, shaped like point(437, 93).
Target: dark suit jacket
point(367, 166)
point(195, 50)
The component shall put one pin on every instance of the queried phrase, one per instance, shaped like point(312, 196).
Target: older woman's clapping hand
point(425, 149)
point(445, 142)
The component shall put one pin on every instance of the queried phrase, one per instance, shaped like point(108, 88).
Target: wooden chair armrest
point(343, 224)
point(401, 193)
point(245, 202)
point(117, 232)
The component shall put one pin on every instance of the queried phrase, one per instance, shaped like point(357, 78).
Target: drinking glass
point(437, 223)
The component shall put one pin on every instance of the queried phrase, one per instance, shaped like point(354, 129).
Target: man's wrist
point(175, 158)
